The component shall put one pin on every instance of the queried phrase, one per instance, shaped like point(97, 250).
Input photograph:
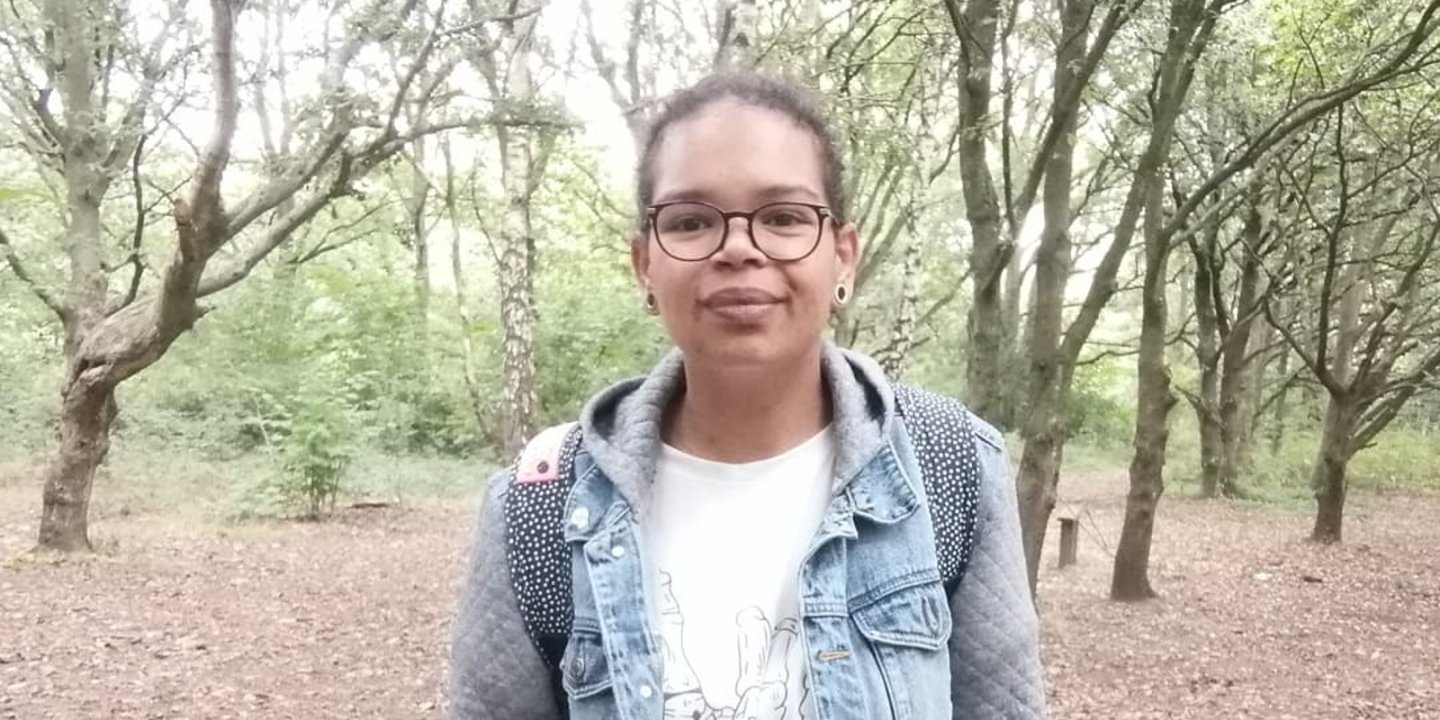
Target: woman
point(745, 537)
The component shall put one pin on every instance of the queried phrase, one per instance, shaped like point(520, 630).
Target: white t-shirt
point(723, 544)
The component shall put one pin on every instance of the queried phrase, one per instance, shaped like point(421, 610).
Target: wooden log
point(1069, 541)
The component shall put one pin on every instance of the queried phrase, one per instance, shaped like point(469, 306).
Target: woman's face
point(738, 306)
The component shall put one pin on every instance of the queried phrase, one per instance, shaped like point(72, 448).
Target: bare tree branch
point(18, 267)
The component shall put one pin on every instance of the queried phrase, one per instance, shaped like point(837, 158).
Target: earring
point(650, 304)
point(842, 294)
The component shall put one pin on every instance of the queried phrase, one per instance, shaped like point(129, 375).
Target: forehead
point(731, 153)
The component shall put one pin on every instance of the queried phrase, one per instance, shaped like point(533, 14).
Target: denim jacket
point(881, 637)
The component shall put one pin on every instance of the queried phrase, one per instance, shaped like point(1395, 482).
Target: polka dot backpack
point(940, 429)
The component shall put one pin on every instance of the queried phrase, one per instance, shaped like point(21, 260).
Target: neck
point(738, 415)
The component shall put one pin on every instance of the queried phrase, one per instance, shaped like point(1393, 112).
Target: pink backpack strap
point(540, 460)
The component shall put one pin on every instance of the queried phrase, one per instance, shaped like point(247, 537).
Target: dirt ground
point(350, 618)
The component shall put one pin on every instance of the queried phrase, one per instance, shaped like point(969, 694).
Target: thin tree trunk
point(1190, 30)
point(1329, 476)
point(1207, 323)
point(1131, 579)
point(419, 193)
point(1014, 343)
point(989, 254)
point(902, 339)
point(1342, 408)
point(1043, 429)
point(1237, 365)
point(1264, 337)
point(1277, 422)
point(517, 291)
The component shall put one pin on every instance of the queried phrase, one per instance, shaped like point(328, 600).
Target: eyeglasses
point(692, 231)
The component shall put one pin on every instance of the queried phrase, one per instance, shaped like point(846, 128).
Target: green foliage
point(1403, 460)
point(1101, 411)
point(316, 455)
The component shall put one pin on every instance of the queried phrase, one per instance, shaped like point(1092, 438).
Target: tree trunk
point(87, 414)
point(1343, 407)
point(517, 290)
point(1131, 579)
point(1277, 422)
point(87, 406)
point(1237, 365)
point(1207, 405)
point(1329, 478)
point(1013, 341)
point(902, 339)
point(1043, 430)
point(986, 367)
point(419, 193)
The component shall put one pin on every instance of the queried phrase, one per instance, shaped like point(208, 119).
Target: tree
point(1373, 248)
point(1190, 28)
point(523, 142)
point(84, 50)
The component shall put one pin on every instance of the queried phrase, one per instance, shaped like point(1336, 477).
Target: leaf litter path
point(350, 618)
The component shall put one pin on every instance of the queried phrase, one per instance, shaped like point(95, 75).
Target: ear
point(847, 254)
point(640, 259)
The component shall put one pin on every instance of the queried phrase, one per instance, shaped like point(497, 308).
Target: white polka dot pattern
point(944, 440)
point(539, 560)
point(536, 552)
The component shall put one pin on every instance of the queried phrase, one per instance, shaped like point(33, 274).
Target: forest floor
point(175, 617)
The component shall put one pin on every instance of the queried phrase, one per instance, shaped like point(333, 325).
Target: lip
point(741, 306)
point(733, 297)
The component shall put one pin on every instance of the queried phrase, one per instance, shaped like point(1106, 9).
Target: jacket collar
point(622, 429)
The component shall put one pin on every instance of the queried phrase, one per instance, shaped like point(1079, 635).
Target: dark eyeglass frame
point(822, 213)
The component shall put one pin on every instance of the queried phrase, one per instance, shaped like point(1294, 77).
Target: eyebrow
point(768, 193)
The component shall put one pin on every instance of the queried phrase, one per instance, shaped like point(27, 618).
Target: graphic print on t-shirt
point(723, 546)
point(764, 656)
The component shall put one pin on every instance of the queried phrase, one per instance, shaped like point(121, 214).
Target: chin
point(757, 349)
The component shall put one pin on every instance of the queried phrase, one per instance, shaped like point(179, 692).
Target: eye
point(685, 223)
point(787, 216)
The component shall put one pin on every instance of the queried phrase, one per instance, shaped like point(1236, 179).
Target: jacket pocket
point(916, 616)
point(585, 671)
point(907, 632)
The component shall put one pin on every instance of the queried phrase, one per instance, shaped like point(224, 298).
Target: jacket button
point(618, 551)
point(646, 692)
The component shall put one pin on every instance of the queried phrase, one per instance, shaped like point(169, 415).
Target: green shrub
point(1402, 460)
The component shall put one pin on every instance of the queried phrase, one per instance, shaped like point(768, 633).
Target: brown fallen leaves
point(350, 618)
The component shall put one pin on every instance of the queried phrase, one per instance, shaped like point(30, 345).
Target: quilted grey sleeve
point(495, 671)
point(995, 649)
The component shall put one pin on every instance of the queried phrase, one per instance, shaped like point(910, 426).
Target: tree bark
point(902, 338)
point(986, 375)
point(88, 403)
point(87, 414)
point(1329, 478)
point(420, 245)
point(1131, 578)
point(1207, 323)
point(1237, 363)
point(517, 253)
point(1043, 429)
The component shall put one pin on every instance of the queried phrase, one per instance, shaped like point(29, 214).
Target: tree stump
point(1069, 541)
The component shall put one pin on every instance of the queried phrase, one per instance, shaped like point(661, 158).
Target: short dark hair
point(757, 91)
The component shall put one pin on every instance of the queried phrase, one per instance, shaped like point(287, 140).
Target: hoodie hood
point(622, 424)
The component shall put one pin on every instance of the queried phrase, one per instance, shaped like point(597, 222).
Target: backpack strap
point(943, 433)
point(535, 548)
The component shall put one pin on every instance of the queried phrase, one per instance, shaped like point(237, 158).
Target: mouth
point(741, 305)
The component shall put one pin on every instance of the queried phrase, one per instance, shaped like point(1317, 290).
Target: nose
point(739, 247)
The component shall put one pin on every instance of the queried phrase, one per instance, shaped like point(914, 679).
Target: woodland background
point(288, 259)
